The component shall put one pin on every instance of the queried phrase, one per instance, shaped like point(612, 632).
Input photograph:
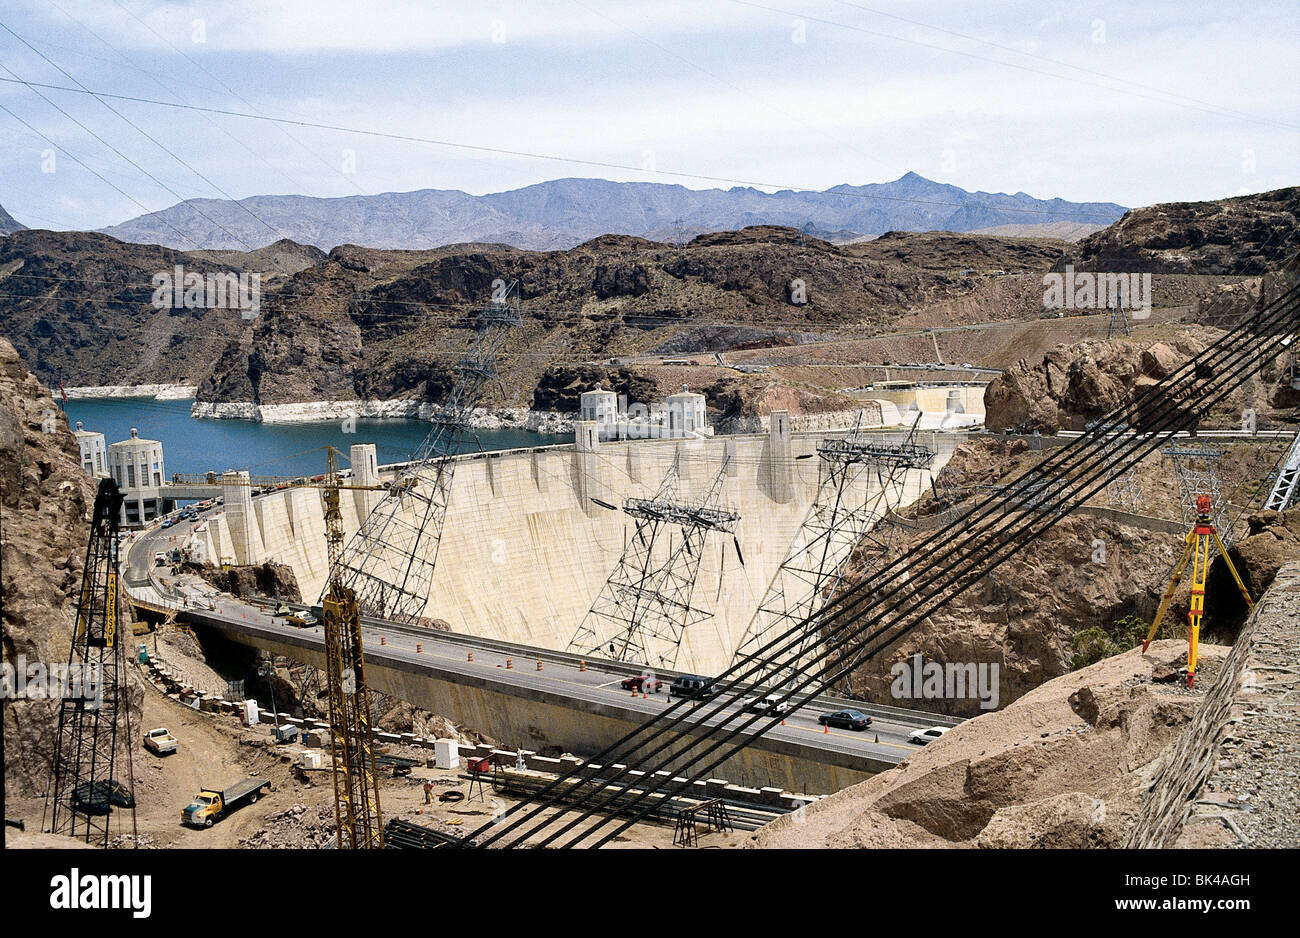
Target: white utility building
point(94, 451)
point(136, 466)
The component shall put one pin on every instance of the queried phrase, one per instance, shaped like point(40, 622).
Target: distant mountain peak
point(562, 213)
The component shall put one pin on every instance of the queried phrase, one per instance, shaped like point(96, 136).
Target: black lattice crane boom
point(84, 791)
point(389, 562)
point(356, 785)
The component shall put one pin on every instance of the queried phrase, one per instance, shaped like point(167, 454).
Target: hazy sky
point(1132, 102)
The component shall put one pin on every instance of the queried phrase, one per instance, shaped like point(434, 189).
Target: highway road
point(448, 655)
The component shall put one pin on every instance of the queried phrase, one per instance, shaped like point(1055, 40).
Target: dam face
point(526, 547)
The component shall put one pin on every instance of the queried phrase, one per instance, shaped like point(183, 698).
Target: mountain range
point(563, 213)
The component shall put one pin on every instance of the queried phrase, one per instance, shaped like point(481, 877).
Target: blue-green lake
point(191, 445)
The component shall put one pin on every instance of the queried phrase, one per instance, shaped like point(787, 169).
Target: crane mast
point(356, 786)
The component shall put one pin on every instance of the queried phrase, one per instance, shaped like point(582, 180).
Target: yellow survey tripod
point(1199, 539)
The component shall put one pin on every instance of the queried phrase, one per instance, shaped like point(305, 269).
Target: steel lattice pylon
point(389, 562)
point(356, 786)
point(83, 790)
point(843, 517)
point(643, 611)
point(1285, 489)
point(1124, 492)
point(1196, 471)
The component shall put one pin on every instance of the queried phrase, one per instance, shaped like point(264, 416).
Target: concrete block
point(546, 764)
point(769, 795)
point(310, 760)
point(446, 754)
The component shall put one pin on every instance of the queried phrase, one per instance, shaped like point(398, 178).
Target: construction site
point(369, 485)
point(630, 641)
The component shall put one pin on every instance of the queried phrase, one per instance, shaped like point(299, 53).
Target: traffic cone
point(582, 665)
point(471, 656)
point(826, 727)
point(383, 640)
point(877, 737)
point(509, 664)
point(539, 664)
point(419, 647)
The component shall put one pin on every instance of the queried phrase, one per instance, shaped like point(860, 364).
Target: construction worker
point(428, 792)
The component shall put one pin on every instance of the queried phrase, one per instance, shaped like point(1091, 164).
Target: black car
point(845, 720)
point(693, 686)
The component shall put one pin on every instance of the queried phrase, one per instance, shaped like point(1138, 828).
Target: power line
point(1166, 400)
point(151, 139)
point(1225, 112)
point(526, 154)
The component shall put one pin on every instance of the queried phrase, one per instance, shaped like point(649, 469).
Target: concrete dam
point(527, 544)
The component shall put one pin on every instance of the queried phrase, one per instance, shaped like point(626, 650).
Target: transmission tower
point(389, 562)
point(1119, 324)
point(1196, 471)
point(843, 517)
point(83, 790)
point(356, 786)
point(1287, 485)
point(643, 611)
point(1124, 492)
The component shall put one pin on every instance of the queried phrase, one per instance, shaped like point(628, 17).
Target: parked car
point(694, 686)
point(768, 703)
point(637, 681)
point(845, 720)
point(160, 741)
point(303, 620)
point(926, 736)
point(167, 522)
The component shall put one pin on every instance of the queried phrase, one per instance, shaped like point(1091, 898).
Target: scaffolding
point(644, 610)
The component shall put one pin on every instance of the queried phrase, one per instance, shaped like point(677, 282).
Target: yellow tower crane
point(356, 785)
point(1200, 538)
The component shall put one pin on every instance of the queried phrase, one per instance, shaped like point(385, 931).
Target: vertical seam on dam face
point(522, 557)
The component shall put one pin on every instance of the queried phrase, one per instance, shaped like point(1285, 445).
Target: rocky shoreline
point(160, 392)
point(482, 418)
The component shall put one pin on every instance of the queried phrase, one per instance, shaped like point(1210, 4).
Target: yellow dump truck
point(211, 804)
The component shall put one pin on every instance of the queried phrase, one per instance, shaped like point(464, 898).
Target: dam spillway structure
point(645, 607)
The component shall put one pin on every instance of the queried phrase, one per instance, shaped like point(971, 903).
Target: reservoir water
point(266, 448)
